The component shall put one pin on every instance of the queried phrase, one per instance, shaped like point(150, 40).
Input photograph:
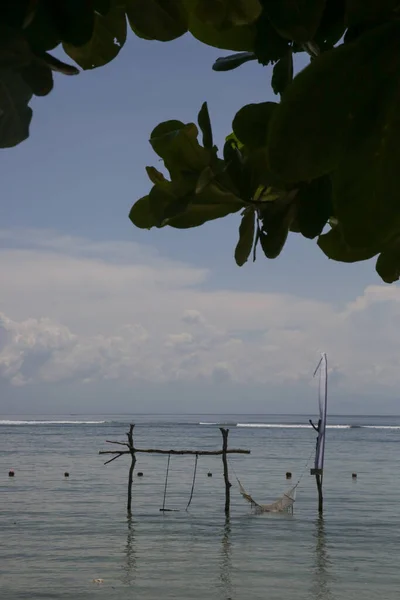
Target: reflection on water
point(322, 576)
point(130, 553)
point(226, 561)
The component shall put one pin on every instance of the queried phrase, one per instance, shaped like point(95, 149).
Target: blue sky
point(66, 242)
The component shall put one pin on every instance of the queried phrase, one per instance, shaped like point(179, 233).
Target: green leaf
point(15, 114)
point(314, 206)
point(211, 12)
point(360, 12)
point(296, 20)
point(13, 12)
point(258, 172)
point(108, 38)
point(39, 77)
point(269, 46)
point(74, 20)
point(212, 203)
point(14, 49)
point(282, 74)
point(272, 243)
point(102, 6)
point(160, 198)
point(246, 237)
point(179, 148)
point(162, 135)
point(204, 122)
point(222, 14)
point(233, 61)
point(244, 12)
point(268, 194)
point(156, 176)
point(234, 140)
point(206, 177)
point(30, 8)
point(238, 38)
point(388, 263)
point(332, 26)
point(334, 246)
point(42, 33)
point(162, 20)
point(251, 123)
point(326, 108)
point(175, 209)
point(161, 208)
point(234, 166)
point(165, 206)
point(276, 221)
point(57, 65)
point(141, 215)
point(366, 185)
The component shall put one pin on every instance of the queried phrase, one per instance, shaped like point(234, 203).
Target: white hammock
point(283, 504)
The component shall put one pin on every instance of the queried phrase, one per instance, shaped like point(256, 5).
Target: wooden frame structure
point(132, 451)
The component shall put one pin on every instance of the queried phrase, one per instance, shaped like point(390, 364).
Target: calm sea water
point(58, 535)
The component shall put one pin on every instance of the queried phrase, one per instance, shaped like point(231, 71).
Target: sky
point(97, 316)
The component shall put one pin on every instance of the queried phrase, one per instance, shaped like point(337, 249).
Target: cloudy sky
point(96, 316)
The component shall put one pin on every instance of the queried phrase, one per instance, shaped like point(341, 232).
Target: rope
point(166, 483)
point(305, 467)
point(301, 474)
point(193, 482)
point(234, 472)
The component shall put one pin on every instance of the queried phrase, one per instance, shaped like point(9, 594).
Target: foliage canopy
point(322, 162)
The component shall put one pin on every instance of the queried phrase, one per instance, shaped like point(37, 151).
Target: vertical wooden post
point(225, 433)
point(318, 479)
point(131, 468)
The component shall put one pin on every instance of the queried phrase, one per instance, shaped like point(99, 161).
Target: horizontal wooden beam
point(178, 452)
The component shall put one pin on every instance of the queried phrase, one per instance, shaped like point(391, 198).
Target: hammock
point(283, 504)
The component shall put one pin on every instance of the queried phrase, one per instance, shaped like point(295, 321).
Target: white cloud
point(74, 310)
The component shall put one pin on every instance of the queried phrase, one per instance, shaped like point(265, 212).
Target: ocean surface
point(58, 535)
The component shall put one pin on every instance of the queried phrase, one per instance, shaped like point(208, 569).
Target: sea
point(71, 538)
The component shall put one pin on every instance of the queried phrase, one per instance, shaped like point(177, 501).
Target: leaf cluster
point(321, 162)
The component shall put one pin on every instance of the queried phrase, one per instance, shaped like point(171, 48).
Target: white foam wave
point(221, 423)
point(380, 426)
point(7, 422)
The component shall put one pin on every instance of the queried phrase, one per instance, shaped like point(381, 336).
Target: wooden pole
point(225, 433)
point(131, 468)
point(318, 479)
